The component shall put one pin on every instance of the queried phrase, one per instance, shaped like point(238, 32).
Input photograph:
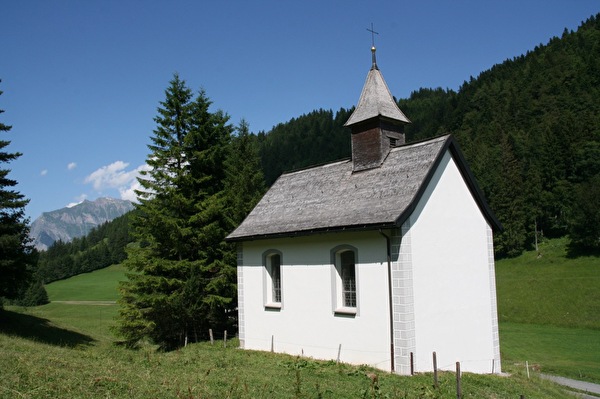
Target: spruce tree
point(244, 182)
point(183, 282)
point(17, 255)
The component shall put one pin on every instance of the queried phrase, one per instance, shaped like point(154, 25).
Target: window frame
point(339, 306)
point(269, 286)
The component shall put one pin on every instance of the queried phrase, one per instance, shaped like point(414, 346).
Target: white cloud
point(128, 193)
point(71, 166)
point(79, 199)
point(116, 176)
point(44, 172)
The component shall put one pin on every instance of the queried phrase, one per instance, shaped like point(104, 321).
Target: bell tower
point(377, 124)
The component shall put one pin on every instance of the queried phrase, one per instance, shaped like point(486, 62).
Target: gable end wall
point(447, 244)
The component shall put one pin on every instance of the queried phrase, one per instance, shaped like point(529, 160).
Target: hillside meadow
point(100, 285)
point(70, 357)
point(67, 349)
point(549, 311)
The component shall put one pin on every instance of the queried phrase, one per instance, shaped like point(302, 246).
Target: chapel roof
point(333, 198)
point(376, 100)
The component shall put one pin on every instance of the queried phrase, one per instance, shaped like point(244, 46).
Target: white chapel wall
point(306, 323)
point(451, 276)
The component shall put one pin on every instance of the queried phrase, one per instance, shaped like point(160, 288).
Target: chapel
point(381, 259)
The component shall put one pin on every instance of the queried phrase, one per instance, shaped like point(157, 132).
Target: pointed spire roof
point(376, 100)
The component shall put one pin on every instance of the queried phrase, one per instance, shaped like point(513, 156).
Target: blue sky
point(82, 79)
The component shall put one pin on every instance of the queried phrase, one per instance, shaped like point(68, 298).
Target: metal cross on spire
point(373, 33)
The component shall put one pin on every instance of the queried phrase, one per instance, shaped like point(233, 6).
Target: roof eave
point(300, 233)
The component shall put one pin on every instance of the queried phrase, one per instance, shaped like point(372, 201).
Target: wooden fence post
point(412, 364)
point(212, 340)
point(272, 343)
point(458, 387)
point(339, 352)
point(225, 339)
point(435, 372)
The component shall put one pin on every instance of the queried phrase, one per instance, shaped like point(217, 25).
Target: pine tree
point(245, 182)
point(183, 281)
point(17, 255)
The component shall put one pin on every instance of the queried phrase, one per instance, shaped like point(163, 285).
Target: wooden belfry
point(377, 124)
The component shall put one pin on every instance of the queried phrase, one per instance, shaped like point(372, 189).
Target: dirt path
point(575, 384)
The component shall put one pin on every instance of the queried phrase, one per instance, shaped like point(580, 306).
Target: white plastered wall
point(306, 323)
point(446, 247)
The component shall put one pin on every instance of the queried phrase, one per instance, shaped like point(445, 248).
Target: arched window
point(275, 273)
point(348, 275)
point(344, 284)
point(272, 279)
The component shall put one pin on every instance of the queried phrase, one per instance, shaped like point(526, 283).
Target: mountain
point(68, 223)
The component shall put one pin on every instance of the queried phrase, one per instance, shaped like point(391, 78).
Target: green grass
point(66, 349)
point(568, 352)
point(552, 289)
point(549, 311)
point(101, 285)
point(94, 368)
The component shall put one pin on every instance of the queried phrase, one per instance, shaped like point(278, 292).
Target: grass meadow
point(65, 358)
point(549, 311)
point(99, 285)
point(551, 288)
point(66, 349)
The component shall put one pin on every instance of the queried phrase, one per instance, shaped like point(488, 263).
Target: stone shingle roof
point(332, 198)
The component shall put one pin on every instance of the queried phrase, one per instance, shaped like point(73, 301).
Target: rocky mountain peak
point(76, 221)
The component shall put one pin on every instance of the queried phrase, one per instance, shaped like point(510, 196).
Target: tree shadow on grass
point(574, 251)
point(40, 330)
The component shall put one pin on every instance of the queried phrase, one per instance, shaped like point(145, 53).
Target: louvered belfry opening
point(377, 124)
point(372, 141)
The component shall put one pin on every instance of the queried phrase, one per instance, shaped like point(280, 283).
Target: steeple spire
point(373, 33)
point(377, 124)
point(376, 101)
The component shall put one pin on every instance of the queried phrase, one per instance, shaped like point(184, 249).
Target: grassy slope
point(66, 350)
point(101, 285)
point(549, 311)
point(551, 289)
point(569, 352)
point(97, 369)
